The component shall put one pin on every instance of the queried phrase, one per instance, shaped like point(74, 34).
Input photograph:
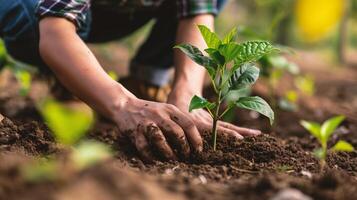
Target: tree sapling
point(323, 133)
point(230, 67)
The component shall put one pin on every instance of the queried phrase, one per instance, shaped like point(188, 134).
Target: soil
point(263, 167)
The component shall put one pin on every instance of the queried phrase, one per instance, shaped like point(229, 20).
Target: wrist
point(181, 97)
point(187, 86)
point(117, 104)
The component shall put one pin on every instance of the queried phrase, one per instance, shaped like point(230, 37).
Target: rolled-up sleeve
point(187, 8)
point(72, 10)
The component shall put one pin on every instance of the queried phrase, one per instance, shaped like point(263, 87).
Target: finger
point(240, 130)
point(156, 137)
point(174, 133)
point(191, 132)
point(228, 132)
point(141, 144)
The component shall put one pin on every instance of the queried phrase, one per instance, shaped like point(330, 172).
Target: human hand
point(159, 126)
point(203, 120)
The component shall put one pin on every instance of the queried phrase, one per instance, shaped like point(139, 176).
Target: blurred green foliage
point(68, 125)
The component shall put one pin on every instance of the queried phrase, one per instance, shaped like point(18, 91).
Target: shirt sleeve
point(72, 10)
point(187, 8)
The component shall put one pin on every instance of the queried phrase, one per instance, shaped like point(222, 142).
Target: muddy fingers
point(240, 130)
point(191, 132)
point(155, 137)
point(176, 136)
point(141, 144)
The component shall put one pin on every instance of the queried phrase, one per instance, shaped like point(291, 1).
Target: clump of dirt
point(30, 137)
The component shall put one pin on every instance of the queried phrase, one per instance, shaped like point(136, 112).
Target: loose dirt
point(263, 167)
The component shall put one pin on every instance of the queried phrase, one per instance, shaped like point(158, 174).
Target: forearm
point(77, 68)
point(189, 76)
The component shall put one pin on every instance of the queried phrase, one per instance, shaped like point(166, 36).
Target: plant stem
point(216, 115)
point(215, 121)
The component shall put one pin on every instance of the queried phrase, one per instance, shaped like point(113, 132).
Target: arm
point(145, 123)
point(76, 67)
point(189, 78)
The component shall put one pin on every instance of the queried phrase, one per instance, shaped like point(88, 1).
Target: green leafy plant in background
point(22, 72)
point(24, 78)
point(2, 54)
point(323, 134)
point(230, 68)
point(68, 125)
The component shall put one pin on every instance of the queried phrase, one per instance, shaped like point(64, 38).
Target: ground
point(270, 166)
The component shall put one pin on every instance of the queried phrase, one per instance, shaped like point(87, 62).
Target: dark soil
point(260, 167)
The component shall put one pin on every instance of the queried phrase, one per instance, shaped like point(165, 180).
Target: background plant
point(22, 72)
point(69, 124)
point(323, 134)
point(230, 67)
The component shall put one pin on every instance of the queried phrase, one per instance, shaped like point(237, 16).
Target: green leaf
point(216, 56)
point(196, 55)
point(211, 38)
point(313, 127)
point(199, 102)
point(230, 51)
point(319, 153)
point(343, 146)
point(2, 54)
point(67, 124)
point(253, 50)
point(88, 153)
point(244, 76)
point(24, 78)
point(256, 104)
point(329, 126)
point(231, 36)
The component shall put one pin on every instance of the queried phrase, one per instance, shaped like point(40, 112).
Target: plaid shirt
point(75, 10)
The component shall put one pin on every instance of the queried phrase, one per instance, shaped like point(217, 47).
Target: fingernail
point(200, 149)
point(239, 137)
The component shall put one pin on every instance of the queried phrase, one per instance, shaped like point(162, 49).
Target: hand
point(203, 120)
point(159, 126)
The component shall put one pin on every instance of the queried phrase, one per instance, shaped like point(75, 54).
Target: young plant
point(323, 133)
point(230, 67)
point(68, 125)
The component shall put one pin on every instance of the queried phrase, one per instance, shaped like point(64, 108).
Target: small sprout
point(241, 75)
point(68, 125)
point(323, 133)
point(88, 153)
point(24, 78)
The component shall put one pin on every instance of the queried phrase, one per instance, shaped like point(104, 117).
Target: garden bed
point(263, 167)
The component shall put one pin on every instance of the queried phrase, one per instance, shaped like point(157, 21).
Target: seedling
point(68, 125)
point(242, 74)
point(24, 79)
point(323, 133)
